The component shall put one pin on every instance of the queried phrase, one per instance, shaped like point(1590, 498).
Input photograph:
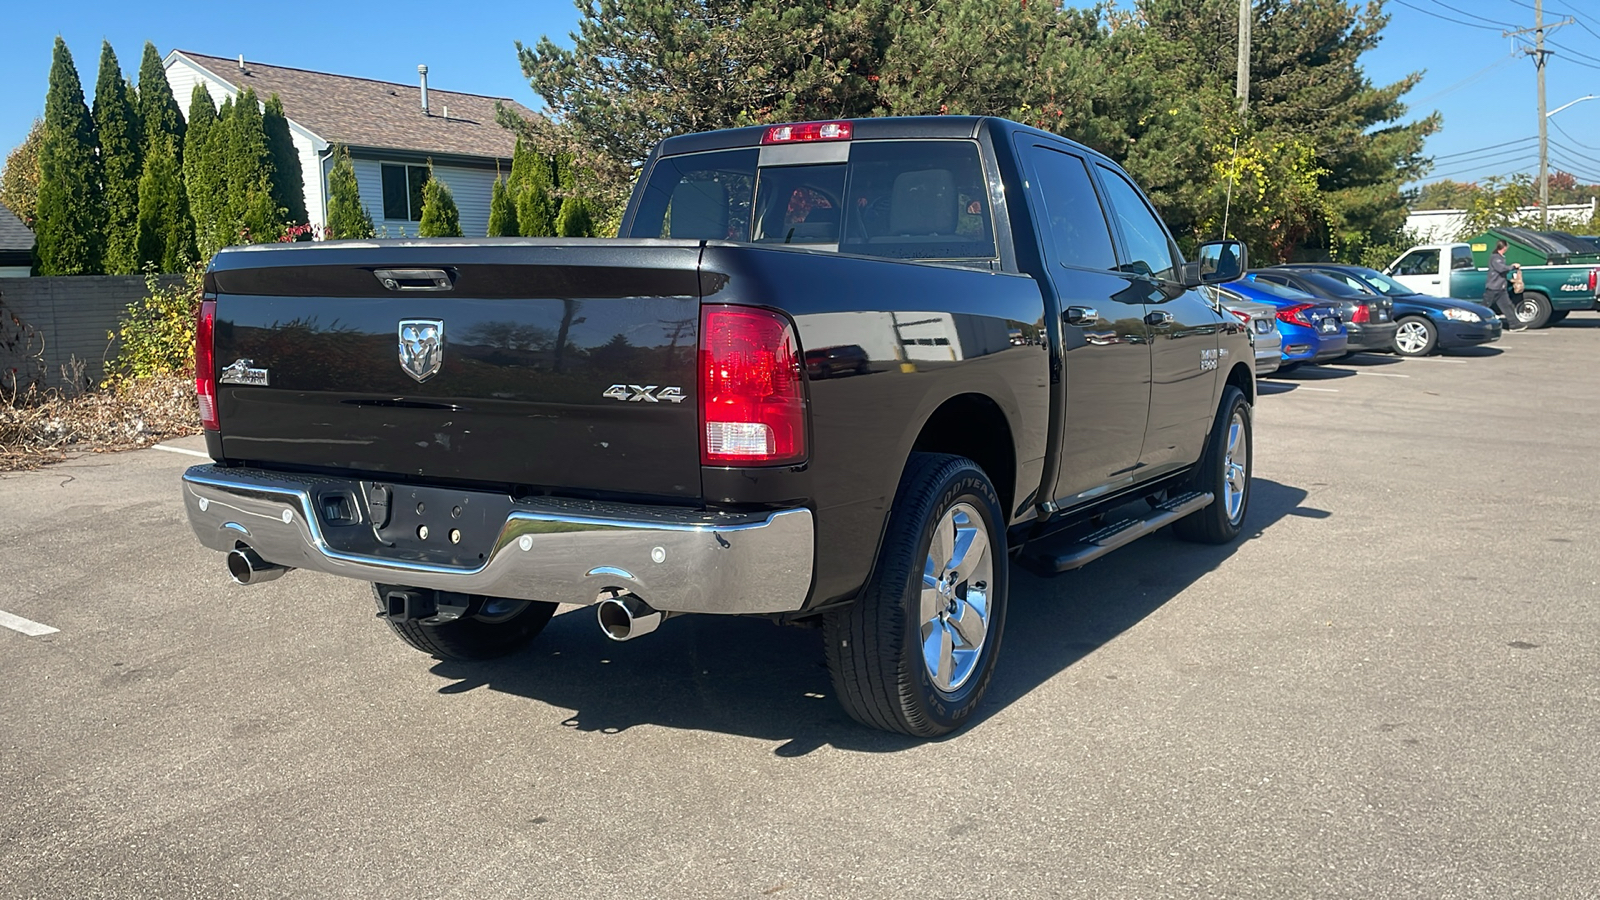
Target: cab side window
point(1075, 223)
point(1461, 258)
point(1149, 250)
point(1419, 262)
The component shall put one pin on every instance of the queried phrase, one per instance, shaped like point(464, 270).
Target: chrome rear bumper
point(675, 559)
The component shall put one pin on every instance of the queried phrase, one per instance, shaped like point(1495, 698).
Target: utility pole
point(1540, 55)
point(1241, 87)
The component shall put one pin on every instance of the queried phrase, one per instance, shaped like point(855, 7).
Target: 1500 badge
point(649, 393)
point(1208, 360)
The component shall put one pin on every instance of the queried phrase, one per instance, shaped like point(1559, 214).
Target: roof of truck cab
point(872, 129)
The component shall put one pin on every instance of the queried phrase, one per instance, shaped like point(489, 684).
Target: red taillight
point(1362, 314)
point(807, 131)
point(1594, 279)
point(752, 401)
point(1296, 314)
point(205, 368)
point(1241, 315)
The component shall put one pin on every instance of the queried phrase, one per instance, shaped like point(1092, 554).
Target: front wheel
point(1223, 472)
point(1416, 336)
point(914, 653)
point(491, 626)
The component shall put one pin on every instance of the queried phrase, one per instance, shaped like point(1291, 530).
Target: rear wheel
point(491, 626)
point(1416, 336)
point(1533, 310)
point(1223, 472)
point(916, 651)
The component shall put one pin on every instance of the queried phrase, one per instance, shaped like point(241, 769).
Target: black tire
point(1557, 316)
point(1216, 523)
point(492, 627)
point(1533, 310)
point(875, 645)
point(1417, 333)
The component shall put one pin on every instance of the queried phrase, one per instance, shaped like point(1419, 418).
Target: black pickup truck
point(486, 429)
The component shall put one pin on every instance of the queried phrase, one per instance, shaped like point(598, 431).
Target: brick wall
point(62, 319)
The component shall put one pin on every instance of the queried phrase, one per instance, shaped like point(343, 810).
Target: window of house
point(402, 192)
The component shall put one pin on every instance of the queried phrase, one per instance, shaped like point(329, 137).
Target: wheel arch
point(973, 425)
point(1242, 377)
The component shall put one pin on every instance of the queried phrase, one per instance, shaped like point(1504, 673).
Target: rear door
point(1105, 343)
point(1183, 329)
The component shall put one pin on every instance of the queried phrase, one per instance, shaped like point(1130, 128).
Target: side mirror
point(1218, 262)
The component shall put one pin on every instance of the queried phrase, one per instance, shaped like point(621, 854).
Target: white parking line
point(180, 450)
point(1323, 390)
point(26, 626)
point(1386, 374)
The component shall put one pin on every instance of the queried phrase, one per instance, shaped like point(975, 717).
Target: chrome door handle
point(1081, 315)
point(1158, 317)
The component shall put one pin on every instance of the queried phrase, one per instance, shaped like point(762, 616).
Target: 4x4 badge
point(421, 347)
point(647, 393)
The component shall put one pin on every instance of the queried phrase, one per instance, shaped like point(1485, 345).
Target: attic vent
point(241, 63)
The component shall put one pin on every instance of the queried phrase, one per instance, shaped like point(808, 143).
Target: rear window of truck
point(895, 199)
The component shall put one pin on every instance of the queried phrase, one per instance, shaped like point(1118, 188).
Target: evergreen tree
point(440, 218)
point(19, 183)
point(347, 218)
point(118, 124)
point(71, 217)
point(253, 211)
point(202, 180)
point(166, 230)
point(288, 182)
point(158, 109)
point(537, 205)
point(502, 212)
point(575, 219)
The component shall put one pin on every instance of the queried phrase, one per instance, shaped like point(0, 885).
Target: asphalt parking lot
point(1389, 689)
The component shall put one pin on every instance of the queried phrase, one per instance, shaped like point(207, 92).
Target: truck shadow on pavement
point(752, 678)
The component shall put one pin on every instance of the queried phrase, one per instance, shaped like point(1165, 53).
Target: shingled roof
point(361, 112)
point(16, 241)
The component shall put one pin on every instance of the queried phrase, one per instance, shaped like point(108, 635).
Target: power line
point(1462, 12)
point(1572, 51)
point(1429, 12)
point(1490, 147)
point(1489, 159)
point(1502, 61)
point(1511, 164)
point(1570, 137)
point(1565, 149)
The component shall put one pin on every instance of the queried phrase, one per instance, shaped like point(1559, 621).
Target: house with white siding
point(392, 131)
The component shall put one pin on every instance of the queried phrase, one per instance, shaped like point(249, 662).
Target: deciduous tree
point(19, 183)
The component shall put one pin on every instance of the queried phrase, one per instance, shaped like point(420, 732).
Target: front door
point(1419, 270)
point(1104, 339)
point(1183, 331)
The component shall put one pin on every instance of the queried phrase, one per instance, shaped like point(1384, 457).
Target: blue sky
point(1485, 92)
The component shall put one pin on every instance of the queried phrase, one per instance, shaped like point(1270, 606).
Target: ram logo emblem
point(421, 347)
point(645, 393)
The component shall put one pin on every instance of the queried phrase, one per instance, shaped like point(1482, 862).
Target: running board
point(1079, 553)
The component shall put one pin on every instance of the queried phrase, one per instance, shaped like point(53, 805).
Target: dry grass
point(41, 426)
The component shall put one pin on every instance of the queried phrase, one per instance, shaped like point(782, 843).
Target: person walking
point(1495, 293)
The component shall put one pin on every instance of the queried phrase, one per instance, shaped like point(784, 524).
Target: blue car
point(1426, 324)
point(1311, 328)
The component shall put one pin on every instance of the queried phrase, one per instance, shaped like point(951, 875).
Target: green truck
point(1549, 292)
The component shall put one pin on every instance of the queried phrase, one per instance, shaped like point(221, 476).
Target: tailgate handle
point(414, 279)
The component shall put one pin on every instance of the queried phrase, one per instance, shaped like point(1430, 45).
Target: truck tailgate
point(545, 364)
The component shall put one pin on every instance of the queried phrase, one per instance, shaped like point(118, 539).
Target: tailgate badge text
point(421, 347)
point(647, 393)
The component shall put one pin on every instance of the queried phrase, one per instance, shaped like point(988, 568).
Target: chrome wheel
point(1411, 337)
point(955, 597)
point(1236, 468)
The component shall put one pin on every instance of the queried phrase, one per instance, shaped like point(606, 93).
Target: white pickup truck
point(1446, 270)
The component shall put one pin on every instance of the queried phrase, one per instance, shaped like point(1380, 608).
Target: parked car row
point(1327, 311)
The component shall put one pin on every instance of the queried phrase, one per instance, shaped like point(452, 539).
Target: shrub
point(157, 331)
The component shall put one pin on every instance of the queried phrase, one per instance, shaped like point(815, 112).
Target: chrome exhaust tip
point(626, 617)
point(245, 566)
